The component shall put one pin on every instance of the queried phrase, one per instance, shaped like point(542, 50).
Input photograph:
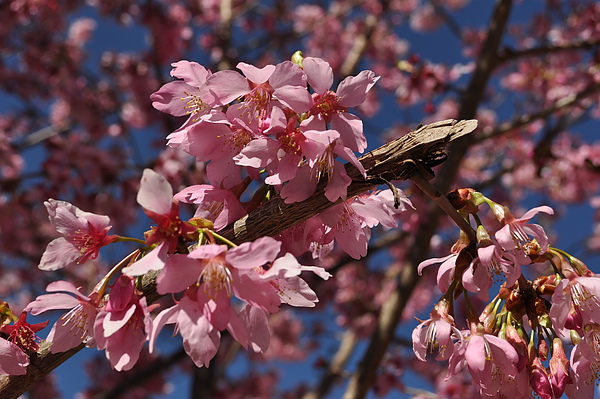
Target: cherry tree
point(331, 186)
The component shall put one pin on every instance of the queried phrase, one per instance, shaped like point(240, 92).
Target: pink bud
point(559, 368)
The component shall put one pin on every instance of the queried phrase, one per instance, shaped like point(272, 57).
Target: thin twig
point(443, 203)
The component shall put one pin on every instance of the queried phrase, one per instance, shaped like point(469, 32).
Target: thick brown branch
point(392, 161)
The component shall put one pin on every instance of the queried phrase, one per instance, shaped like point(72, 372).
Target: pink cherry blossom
point(445, 273)
point(223, 272)
point(435, 336)
point(518, 233)
point(83, 234)
point(200, 339)
point(352, 220)
point(183, 97)
point(74, 327)
point(492, 364)
point(321, 162)
point(124, 325)
point(283, 85)
point(577, 297)
point(332, 107)
point(283, 276)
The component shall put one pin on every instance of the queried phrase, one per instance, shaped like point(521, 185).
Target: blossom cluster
point(519, 338)
point(281, 126)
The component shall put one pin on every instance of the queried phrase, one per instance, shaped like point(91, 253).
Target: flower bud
point(559, 368)
point(297, 58)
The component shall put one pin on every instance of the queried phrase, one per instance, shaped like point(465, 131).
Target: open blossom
point(320, 161)
point(492, 363)
point(123, 325)
point(283, 275)
point(282, 85)
point(575, 299)
point(223, 272)
point(74, 327)
point(352, 220)
point(332, 107)
point(22, 334)
point(183, 97)
point(200, 339)
point(519, 234)
point(435, 336)
point(83, 234)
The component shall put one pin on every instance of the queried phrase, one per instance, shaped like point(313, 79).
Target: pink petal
point(296, 292)
point(351, 131)
point(12, 359)
point(58, 254)
point(532, 212)
point(319, 73)
point(47, 302)
point(253, 254)
point(179, 273)
point(475, 353)
point(257, 324)
point(114, 321)
point(153, 260)
point(200, 340)
point(254, 74)
point(209, 251)
point(192, 73)
point(155, 194)
point(294, 97)
point(337, 186)
point(353, 90)
point(223, 87)
point(170, 98)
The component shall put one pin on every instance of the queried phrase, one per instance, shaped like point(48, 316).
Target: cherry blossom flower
point(435, 336)
point(491, 362)
point(123, 325)
point(156, 197)
point(283, 275)
point(83, 234)
point(283, 85)
point(74, 327)
point(320, 159)
point(332, 107)
point(517, 233)
point(575, 298)
point(183, 97)
point(585, 362)
point(352, 220)
point(223, 272)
